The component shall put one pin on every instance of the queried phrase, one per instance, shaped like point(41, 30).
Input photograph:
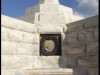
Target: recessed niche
point(50, 44)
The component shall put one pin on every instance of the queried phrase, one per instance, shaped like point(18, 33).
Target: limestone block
point(7, 72)
point(88, 62)
point(7, 22)
point(73, 50)
point(4, 33)
point(19, 72)
point(44, 8)
point(26, 27)
point(93, 72)
point(47, 62)
point(96, 34)
point(85, 36)
point(30, 38)
point(15, 35)
point(71, 38)
point(91, 24)
point(92, 47)
point(13, 72)
point(75, 28)
point(15, 23)
point(67, 61)
point(54, 71)
point(10, 62)
point(27, 49)
point(66, 10)
point(8, 48)
point(80, 71)
point(56, 62)
point(51, 18)
point(50, 30)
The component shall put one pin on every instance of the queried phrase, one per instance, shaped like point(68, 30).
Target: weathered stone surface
point(20, 46)
point(51, 18)
point(15, 48)
point(7, 72)
point(13, 72)
point(4, 33)
point(30, 38)
point(48, 71)
point(9, 62)
point(67, 62)
point(92, 48)
point(27, 27)
point(80, 71)
point(27, 49)
point(17, 24)
point(15, 35)
point(74, 28)
point(93, 72)
point(51, 30)
point(56, 62)
point(47, 62)
point(96, 34)
point(88, 62)
point(91, 24)
point(73, 50)
point(8, 48)
point(85, 36)
point(44, 8)
point(71, 38)
point(7, 22)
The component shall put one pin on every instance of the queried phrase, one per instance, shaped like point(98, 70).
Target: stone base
point(49, 72)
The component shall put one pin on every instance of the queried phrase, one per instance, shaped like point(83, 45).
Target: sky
point(16, 8)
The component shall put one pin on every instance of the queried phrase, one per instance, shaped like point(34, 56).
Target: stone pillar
point(48, 1)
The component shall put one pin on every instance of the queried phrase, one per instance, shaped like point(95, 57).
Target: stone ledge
point(17, 24)
point(13, 72)
point(50, 72)
point(50, 30)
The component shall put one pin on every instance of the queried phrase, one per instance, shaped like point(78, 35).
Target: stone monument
point(43, 43)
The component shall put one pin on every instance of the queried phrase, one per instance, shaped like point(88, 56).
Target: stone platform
point(57, 71)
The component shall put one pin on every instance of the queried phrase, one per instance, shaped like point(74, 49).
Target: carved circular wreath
point(43, 50)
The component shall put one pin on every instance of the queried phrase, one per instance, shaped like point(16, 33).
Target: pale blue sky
point(16, 8)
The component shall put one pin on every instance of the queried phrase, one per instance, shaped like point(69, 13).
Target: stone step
point(52, 71)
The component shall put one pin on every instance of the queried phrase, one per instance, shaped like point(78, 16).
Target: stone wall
point(80, 46)
point(21, 45)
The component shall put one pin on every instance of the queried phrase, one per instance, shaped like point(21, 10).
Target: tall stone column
point(49, 1)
